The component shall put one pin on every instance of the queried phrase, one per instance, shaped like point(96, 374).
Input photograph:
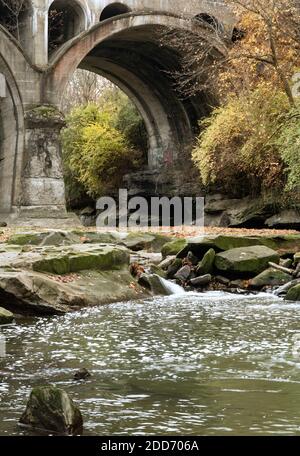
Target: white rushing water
point(172, 287)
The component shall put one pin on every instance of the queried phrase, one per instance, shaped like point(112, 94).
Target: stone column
point(43, 185)
point(34, 35)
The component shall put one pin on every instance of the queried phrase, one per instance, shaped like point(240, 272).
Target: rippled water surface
point(192, 364)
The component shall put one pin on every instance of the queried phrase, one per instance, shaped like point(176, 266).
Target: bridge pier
point(43, 184)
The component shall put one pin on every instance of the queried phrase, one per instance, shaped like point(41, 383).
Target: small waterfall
point(172, 288)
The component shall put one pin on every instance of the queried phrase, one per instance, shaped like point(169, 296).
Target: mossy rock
point(27, 238)
point(286, 244)
point(270, 277)
point(206, 265)
point(155, 269)
point(51, 409)
point(198, 246)
point(6, 317)
point(294, 294)
point(174, 247)
point(58, 238)
point(102, 258)
point(153, 283)
point(138, 241)
point(297, 258)
point(247, 260)
point(145, 241)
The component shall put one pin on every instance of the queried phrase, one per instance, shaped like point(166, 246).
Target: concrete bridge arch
point(123, 47)
point(127, 51)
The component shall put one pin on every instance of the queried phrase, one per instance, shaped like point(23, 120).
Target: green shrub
point(238, 148)
point(95, 152)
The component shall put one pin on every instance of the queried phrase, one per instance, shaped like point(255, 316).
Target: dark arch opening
point(14, 17)
point(115, 9)
point(65, 20)
point(207, 19)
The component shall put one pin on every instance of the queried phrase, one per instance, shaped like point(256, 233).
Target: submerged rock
point(51, 409)
point(249, 260)
point(6, 317)
point(82, 374)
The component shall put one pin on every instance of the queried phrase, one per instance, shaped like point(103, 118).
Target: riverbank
point(46, 272)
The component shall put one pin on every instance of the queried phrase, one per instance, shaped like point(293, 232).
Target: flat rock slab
point(135, 241)
point(249, 260)
point(34, 293)
point(285, 244)
point(65, 259)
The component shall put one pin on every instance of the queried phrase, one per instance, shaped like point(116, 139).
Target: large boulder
point(174, 247)
point(284, 244)
point(246, 212)
point(286, 219)
point(270, 277)
point(145, 241)
point(51, 409)
point(154, 283)
point(247, 260)
point(34, 293)
point(206, 265)
point(293, 294)
point(6, 317)
point(80, 257)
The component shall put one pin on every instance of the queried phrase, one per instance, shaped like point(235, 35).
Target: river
point(196, 364)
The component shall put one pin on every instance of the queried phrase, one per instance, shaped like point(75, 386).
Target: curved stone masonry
point(115, 39)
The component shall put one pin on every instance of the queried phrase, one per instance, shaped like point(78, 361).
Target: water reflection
point(191, 364)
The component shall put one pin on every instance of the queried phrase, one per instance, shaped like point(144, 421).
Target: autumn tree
point(265, 45)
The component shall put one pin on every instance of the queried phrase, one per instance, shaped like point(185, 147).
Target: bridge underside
point(127, 51)
point(135, 61)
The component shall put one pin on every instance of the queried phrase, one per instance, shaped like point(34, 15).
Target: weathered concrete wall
point(124, 49)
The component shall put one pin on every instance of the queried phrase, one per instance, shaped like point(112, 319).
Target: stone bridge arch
point(127, 50)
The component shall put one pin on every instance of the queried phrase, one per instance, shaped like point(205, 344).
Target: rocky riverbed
point(53, 272)
point(56, 272)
